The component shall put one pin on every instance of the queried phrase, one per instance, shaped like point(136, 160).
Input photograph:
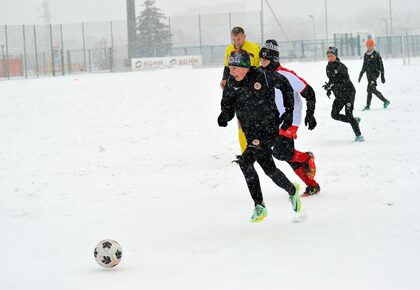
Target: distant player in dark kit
point(248, 96)
point(373, 66)
point(303, 163)
point(342, 87)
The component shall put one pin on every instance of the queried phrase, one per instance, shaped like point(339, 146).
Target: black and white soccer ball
point(108, 253)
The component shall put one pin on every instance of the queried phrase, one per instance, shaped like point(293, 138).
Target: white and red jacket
point(299, 85)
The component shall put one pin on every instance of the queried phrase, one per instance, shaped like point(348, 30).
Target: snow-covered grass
point(139, 158)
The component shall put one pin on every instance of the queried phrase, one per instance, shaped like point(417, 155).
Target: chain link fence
point(59, 49)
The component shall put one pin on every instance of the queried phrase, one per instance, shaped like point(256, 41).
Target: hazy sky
point(69, 11)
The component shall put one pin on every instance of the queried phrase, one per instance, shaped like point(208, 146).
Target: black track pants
point(263, 155)
point(371, 89)
point(337, 106)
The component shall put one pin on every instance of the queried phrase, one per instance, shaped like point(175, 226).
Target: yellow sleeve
point(257, 55)
point(253, 49)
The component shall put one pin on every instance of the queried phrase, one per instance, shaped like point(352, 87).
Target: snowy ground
point(139, 158)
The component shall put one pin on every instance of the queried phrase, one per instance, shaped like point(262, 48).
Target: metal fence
point(42, 50)
point(38, 50)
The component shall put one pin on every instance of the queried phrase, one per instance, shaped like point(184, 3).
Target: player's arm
point(381, 68)
point(225, 69)
point(225, 73)
point(227, 108)
point(281, 83)
point(309, 94)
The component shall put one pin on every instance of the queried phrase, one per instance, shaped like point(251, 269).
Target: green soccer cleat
point(295, 199)
point(386, 104)
point(359, 138)
point(260, 213)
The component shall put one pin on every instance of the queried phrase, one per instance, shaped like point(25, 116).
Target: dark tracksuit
point(344, 93)
point(373, 66)
point(252, 101)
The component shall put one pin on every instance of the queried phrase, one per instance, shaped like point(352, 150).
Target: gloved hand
point(310, 120)
point(360, 76)
point(328, 87)
point(222, 121)
point(286, 119)
point(383, 79)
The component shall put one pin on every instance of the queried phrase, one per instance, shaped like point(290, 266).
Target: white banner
point(165, 62)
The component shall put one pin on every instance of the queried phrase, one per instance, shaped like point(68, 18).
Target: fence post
point(36, 54)
point(407, 46)
point(391, 50)
point(52, 52)
point(84, 46)
point(170, 36)
point(90, 61)
point(69, 62)
point(413, 42)
point(403, 48)
point(111, 53)
point(63, 71)
point(7, 52)
point(24, 50)
point(44, 63)
point(133, 42)
point(230, 22)
point(199, 34)
point(2, 61)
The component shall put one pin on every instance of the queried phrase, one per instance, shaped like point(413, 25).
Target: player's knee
point(334, 115)
point(270, 171)
point(282, 153)
point(245, 166)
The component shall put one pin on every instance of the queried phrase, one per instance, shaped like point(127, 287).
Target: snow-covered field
point(139, 158)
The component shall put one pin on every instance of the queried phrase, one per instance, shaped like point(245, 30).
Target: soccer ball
point(108, 253)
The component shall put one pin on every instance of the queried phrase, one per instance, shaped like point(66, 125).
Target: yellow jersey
point(252, 48)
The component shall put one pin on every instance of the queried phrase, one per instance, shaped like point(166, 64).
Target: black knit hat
point(333, 50)
point(270, 50)
point(239, 58)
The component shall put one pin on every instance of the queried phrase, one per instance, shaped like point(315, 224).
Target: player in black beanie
point(302, 162)
point(344, 91)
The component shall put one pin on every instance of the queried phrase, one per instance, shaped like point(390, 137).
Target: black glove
point(286, 119)
point(328, 93)
point(221, 120)
point(360, 76)
point(310, 120)
point(383, 79)
point(327, 86)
